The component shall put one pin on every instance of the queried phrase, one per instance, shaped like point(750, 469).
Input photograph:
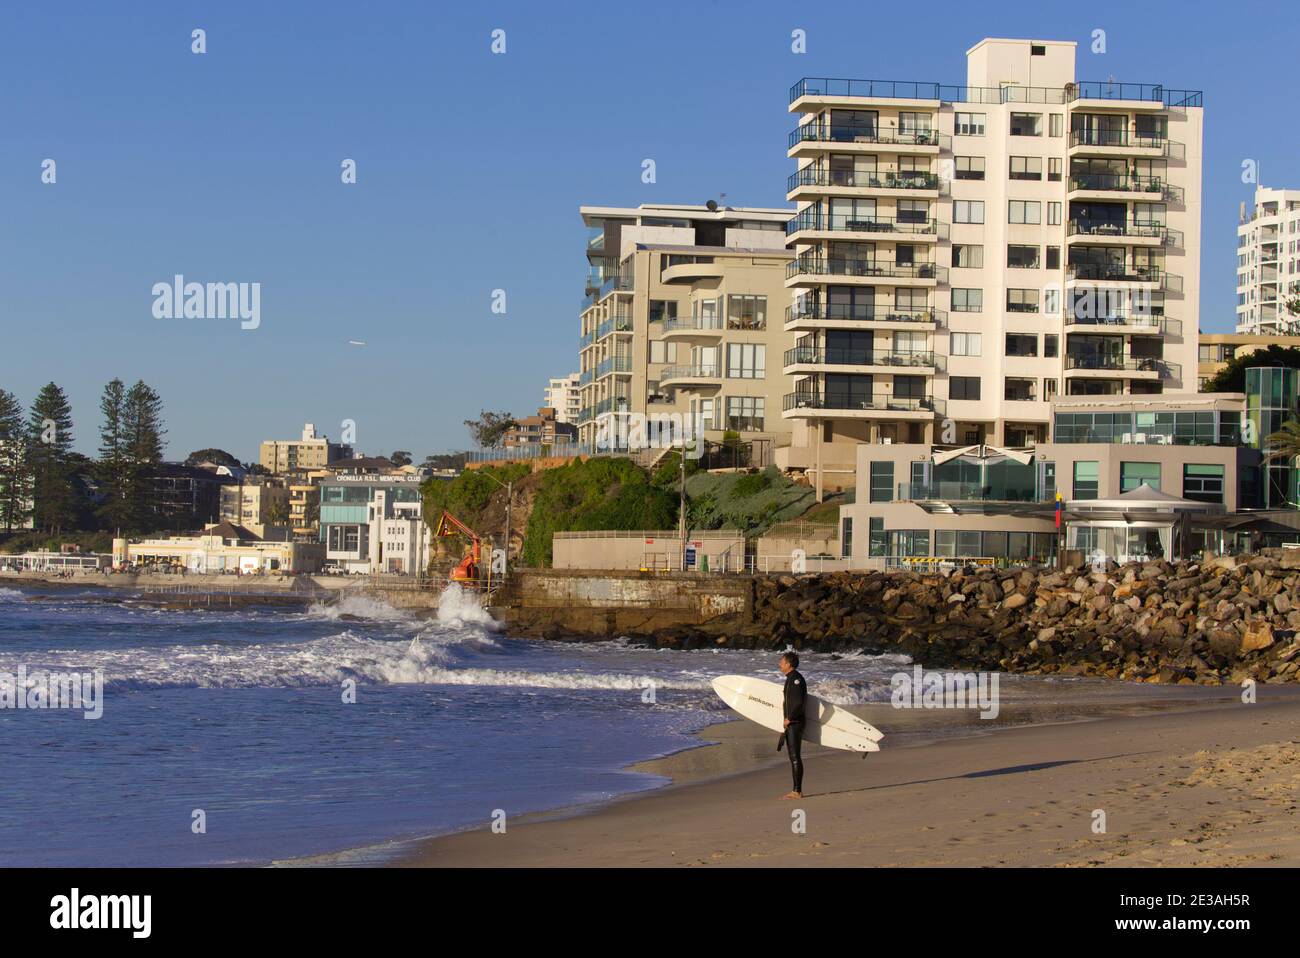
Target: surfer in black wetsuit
point(796, 694)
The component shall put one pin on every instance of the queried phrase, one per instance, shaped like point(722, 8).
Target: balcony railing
point(610, 404)
point(615, 324)
point(1119, 138)
point(614, 284)
point(835, 356)
point(813, 219)
point(864, 313)
point(1116, 182)
point(585, 379)
point(1107, 228)
point(693, 324)
point(1172, 327)
point(837, 266)
point(697, 371)
point(885, 402)
point(615, 364)
point(1114, 272)
point(1144, 364)
point(949, 93)
point(888, 136)
point(966, 492)
point(900, 180)
point(584, 341)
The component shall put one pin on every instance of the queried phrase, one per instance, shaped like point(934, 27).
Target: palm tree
point(1285, 443)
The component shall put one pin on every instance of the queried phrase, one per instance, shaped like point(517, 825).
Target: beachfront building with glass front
point(1125, 469)
point(967, 254)
point(373, 523)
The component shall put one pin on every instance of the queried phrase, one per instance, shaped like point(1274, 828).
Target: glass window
point(963, 387)
point(882, 482)
point(746, 361)
point(1203, 483)
point(745, 413)
point(1134, 474)
point(1056, 124)
point(662, 309)
point(1022, 300)
point(968, 168)
point(965, 256)
point(967, 300)
point(876, 540)
point(846, 537)
point(1024, 212)
point(1026, 124)
point(1022, 344)
point(747, 312)
point(1022, 257)
point(1026, 168)
point(968, 211)
point(1053, 214)
point(968, 124)
point(964, 344)
point(1085, 480)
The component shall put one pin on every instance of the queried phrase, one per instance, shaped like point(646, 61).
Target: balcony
point(693, 329)
point(614, 284)
point(1141, 232)
point(815, 221)
point(615, 364)
point(968, 492)
point(1114, 273)
point(913, 274)
point(875, 136)
point(813, 180)
point(608, 405)
point(584, 341)
point(615, 324)
point(1126, 322)
point(875, 405)
point(809, 316)
point(1120, 365)
point(810, 359)
point(586, 378)
point(1126, 186)
point(698, 374)
point(1130, 142)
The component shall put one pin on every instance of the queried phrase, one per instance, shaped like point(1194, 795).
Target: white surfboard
point(830, 725)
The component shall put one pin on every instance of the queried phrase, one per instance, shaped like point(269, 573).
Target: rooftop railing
point(945, 93)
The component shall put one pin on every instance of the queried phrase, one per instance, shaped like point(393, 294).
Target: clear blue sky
point(471, 167)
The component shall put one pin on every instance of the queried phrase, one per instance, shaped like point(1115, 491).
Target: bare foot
point(789, 795)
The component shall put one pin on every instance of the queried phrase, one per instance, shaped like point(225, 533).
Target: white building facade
point(1268, 263)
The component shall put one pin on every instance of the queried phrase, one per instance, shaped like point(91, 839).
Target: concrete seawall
point(563, 603)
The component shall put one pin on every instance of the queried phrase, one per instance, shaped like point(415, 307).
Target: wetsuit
point(796, 694)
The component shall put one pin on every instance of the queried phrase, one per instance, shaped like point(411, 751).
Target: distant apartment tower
point(295, 455)
point(1268, 260)
point(564, 395)
point(682, 321)
point(966, 254)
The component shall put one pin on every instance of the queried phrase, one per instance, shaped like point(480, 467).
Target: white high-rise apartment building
point(1268, 263)
point(964, 254)
point(565, 397)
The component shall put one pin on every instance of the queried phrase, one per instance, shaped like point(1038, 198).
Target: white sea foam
point(360, 607)
point(458, 609)
point(11, 595)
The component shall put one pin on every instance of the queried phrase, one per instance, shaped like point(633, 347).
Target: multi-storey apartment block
point(1268, 263)
point(564, 395)
point(310, 452)
point(1216, 350)
point(681, 323)
point(965, 254)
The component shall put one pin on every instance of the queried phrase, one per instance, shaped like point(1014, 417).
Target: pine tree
point(116, 470)
point(143, 448)
point(49, 448)
point(15, 478)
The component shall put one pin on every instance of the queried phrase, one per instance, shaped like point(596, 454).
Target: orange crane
point(467, 570)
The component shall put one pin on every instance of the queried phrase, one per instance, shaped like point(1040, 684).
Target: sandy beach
point(1208, 781)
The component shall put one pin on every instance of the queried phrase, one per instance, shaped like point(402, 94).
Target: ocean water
point(242, 714)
